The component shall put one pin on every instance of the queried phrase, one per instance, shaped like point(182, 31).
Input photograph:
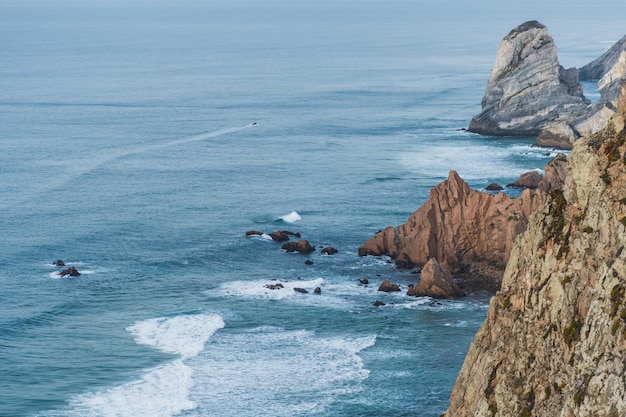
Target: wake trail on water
point(89, 165)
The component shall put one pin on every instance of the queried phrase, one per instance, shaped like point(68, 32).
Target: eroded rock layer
point(528, 89)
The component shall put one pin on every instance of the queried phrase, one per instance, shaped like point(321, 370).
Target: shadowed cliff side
point(470, 233)
point(554, 341)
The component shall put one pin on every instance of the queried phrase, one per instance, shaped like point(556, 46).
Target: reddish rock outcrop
point(436, 282)
point(469, 232)
point(387, 286)
point(527, 180)
point(302, 246)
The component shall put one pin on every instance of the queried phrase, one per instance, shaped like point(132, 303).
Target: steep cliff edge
point(554, 340)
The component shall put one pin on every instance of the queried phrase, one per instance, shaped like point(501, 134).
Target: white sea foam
point(162, 391)
point(259, 288)
point(437, 159)
point(270, 371)
point(291, 217)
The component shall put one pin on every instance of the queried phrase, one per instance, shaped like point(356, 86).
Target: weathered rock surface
point(469, 232)
point(329, 250)
point(528, 89)
point(69, 272)
point(387, 286)
point(302, 246)
point(435, 282)
point(529, 93)
point(554, 341)
point(529, 179)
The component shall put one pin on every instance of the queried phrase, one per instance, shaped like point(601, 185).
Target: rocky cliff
point(528, 89)
point(554, 340)
point(530, 94)
point(470, 233)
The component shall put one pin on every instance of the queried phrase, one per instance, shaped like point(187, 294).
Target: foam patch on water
point(162, 391)
point(270, 371)
point(438, 158)
point(259, 288)
point(291, 217)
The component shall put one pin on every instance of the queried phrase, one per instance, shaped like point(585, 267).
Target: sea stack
point(528, 90)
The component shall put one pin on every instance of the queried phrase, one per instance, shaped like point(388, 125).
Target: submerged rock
point(494, 187)
point(71, 272)
point(329, 250)
point(58, 262)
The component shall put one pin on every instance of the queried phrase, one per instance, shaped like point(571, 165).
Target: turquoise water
point(140, 143)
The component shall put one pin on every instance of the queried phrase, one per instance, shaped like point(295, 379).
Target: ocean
point(140, 140)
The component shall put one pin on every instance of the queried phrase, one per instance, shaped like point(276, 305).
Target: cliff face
point(554, 341)
point(470, 233)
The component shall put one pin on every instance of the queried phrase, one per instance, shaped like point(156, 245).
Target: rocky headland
point(468, 232)
point(530, 94)
point(554, 340)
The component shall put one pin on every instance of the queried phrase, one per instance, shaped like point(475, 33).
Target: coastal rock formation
point(528, 89)
point(302, 246)
point(69, 272)
point(435, 282)
point(554, 340)
point(387, 286)
point(529, 93)
point(527, 180)
point(470, 233)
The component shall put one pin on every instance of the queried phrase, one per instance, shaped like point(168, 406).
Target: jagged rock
point(527, 180)
point(470, 233)
point(276, 286)
point(302, 246)
point(609, 69)
point(554, 338)
point(58, 262)
point(387, 286)
point(528, 89)
point(329, 250)
point(494, 187)
point(435, 282)
point(254, 233)
point(300, 290)
point(378, 303)
point(71, 272)
point(364, 281)
point(282, 235)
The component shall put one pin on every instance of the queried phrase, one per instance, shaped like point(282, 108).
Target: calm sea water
point(139, 143)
